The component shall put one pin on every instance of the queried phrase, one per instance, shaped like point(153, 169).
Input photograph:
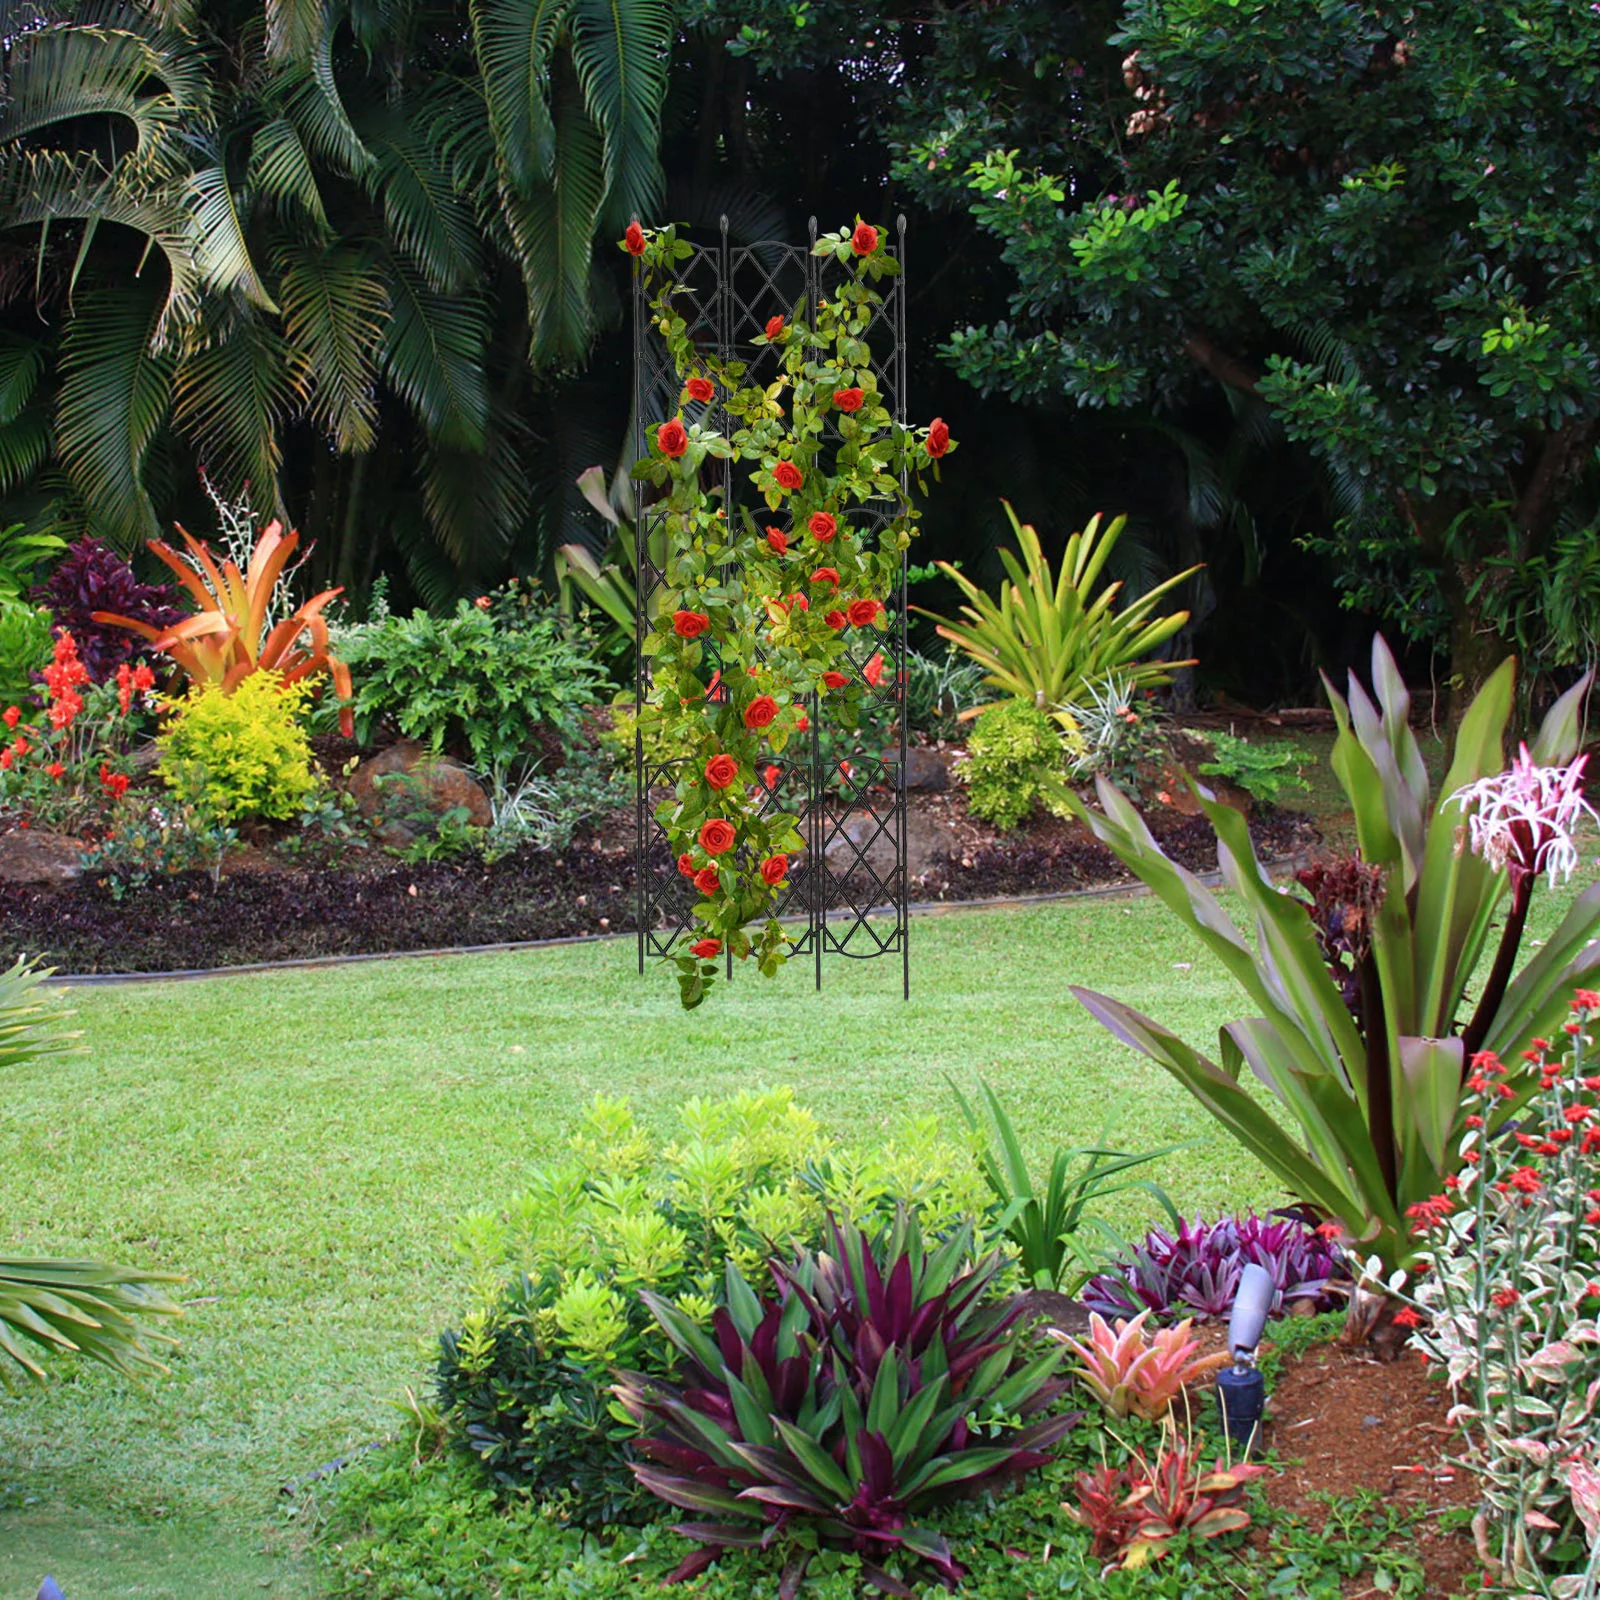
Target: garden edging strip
point(917, 908)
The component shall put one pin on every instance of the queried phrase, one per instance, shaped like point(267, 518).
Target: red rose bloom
point(774, 328)
point(686, 864)
point(834, 680)
point(700, 388)
point(825, 575)
point(865, 239)
point(849, 399)
point(801, 601)
point(938, 438)
point(721, 771)
point(822, 527)
point(863, 612)
point(787, 475)
point(706, 949)
point(802, 722)
point(837, 619)
point(717, 836)
point(760, 712)
point(690, 624)
point(774, 869)
point(708, 880)
point(779, 541)
point(770, 777)
point(873, 671)
point(633, 239)
point(671, 440)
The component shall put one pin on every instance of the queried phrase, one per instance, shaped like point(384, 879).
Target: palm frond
point(295, 28)
point(220, 250)
point(309, 95)
point(280, 168)
point(232, 393)
point(115, 394)
point(433, 353)
point(476, 500)
point(334, 311)
point(621, 50)
point(22, 361)
point(515, 41)
point(425, 216)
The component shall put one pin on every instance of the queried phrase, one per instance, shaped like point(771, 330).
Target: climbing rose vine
point(802, 585)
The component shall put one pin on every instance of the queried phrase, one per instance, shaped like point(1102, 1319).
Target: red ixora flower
point(1406, 1317)
point(706, 949)
point(717, 836)
point(779, 541)
point(11, 716)
point(938, 438)
point(690, 624)
point(708, 880)
point(822, 527)
point(686, 864)
point(863, 613)
point(1504, 1298)
point(865, 239)
point(700, 388)
point(633, 239)
point(115, 784)
point(1585, 1000)
point(760, 712)
point(849, 399)
point(775, 328)
point(55, 770)
point(671, 440)
point(721, 770)
point(834, 680)
point(774, 869)
point(787, 475)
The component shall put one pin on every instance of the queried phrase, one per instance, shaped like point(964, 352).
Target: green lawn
point(301, 1143)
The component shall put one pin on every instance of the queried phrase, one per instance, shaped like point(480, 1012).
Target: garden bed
point(272, 909)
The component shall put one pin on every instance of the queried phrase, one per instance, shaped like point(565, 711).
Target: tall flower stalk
point(764, 619)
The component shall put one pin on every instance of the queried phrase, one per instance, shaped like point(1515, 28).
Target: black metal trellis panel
point(850, 886)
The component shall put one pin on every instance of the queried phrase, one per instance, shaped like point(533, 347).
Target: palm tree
point(299, 242)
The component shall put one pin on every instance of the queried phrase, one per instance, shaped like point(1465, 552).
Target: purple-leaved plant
point(92, 577)
point(1196, 1271)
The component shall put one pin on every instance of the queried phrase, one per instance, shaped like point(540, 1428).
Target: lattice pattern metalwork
point(849, 888)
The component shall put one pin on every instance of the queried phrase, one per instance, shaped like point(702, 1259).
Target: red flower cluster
point(132, 680)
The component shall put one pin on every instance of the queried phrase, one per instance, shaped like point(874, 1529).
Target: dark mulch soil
point(272, 909)
point(1061, 856)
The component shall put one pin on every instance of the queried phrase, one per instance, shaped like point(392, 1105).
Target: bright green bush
point(557, 1273)
point(242, 754)
point(1263, 769)
point(1013, 752)
point(24, 648)
point(480, 681)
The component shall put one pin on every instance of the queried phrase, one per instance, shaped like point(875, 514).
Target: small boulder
point(32, 855)
point(926, 769)
point(404, 790)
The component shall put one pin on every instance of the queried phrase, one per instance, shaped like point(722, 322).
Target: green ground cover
point(301, 1145)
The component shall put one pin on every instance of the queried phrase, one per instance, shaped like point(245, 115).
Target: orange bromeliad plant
point(227, 639)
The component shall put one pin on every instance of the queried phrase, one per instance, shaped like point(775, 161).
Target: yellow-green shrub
point(242, 754)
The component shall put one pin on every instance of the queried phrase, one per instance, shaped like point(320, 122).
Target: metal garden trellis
point(850, 888)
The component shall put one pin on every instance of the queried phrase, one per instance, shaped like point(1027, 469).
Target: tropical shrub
point(759, 617)
point(873, 1382)
point(473, 684)
point(242, 754)
point(1052, 637)
point(1015, 759)
point(65, 763)
point(1136, 1510)
point(557, 1273)
point(1120, 735)
point(1508, 1294)
point(1266, 769)
point(142, 840)
point(54, 1307)
point(232, 634)
point(92, 579)
point(20, 553)
point(1132, 1375)
point(1196, 1270)
point(1044, 1227)
point(1373, 1091)
point(25, 642)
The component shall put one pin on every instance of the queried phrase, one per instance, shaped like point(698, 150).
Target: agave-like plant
point(1131, 1375)
point(872, 1382)
point(1373, 1089)
point(227, 639)
point(1049, 638)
